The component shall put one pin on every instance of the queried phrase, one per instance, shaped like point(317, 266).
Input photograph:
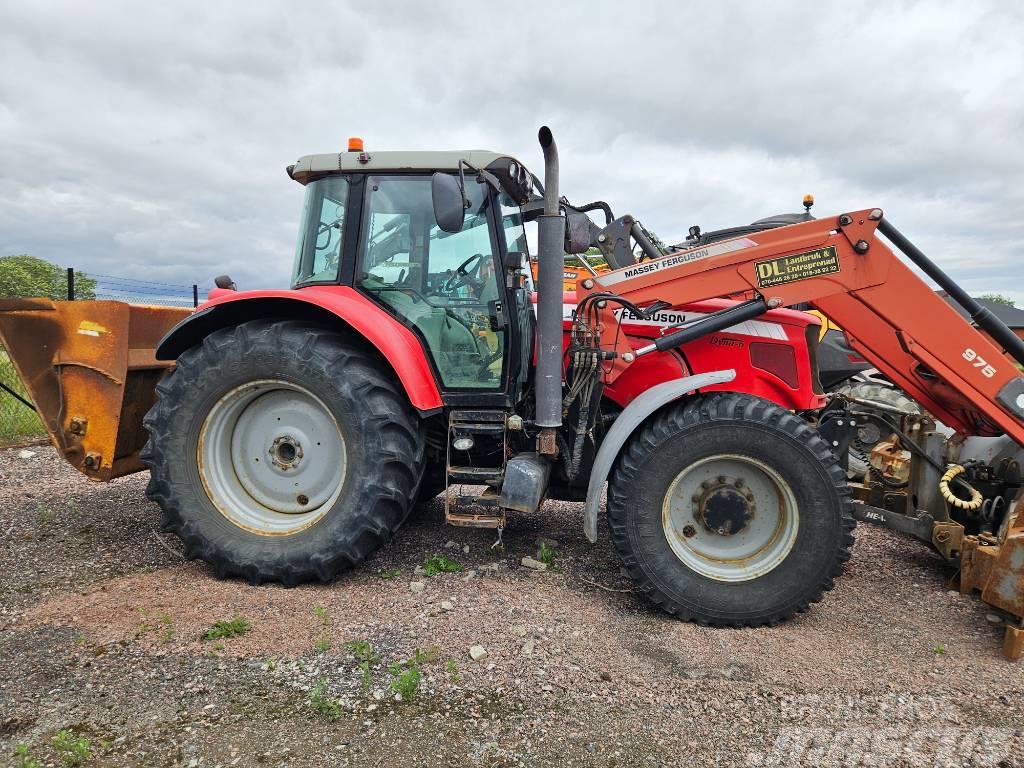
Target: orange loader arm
point(842, 267)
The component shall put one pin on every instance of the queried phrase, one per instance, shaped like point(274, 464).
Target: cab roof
point(309, 167)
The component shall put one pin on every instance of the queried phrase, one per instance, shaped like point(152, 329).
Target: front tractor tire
point(728, 510)
point(281, 451)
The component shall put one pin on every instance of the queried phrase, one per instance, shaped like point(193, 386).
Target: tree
point(997, 298)
point(29, 276)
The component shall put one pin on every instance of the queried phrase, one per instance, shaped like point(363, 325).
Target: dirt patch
point(102, 633)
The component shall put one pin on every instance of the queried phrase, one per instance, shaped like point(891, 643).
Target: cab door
point(447, 287)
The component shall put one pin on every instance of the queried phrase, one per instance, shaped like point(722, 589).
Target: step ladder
point(474, 510)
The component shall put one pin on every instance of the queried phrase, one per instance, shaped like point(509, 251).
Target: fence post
point(71, 283)
point(195, 295)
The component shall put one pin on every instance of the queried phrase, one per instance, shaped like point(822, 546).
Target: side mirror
point(449, 202)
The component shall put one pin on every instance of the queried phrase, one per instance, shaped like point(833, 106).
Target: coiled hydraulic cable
point(976, 498)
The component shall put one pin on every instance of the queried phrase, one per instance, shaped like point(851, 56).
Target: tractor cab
point(436, 241)
point(371, 222)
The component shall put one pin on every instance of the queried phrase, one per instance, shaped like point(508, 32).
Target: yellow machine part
point(91, 371)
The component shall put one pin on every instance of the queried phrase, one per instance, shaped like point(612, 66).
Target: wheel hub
point(725, 507)
point(285, 452)
point(272, 457)
point(730, 517)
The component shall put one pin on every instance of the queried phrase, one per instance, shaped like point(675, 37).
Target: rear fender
point(626, 423)
point(398, 345)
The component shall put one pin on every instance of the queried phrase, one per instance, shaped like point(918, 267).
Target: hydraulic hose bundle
point(976, 498)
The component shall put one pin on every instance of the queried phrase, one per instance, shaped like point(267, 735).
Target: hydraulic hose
point(976, 498)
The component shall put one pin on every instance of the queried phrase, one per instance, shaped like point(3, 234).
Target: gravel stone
point(477, 652)
point(534, 565)
point(417, 586)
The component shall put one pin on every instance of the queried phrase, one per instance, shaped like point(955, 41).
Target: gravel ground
point(103, 635)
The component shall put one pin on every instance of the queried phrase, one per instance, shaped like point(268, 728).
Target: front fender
point(626, 423)
point(340, 305)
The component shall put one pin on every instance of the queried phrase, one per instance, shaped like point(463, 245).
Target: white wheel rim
point(271, 457)
point(730, 518)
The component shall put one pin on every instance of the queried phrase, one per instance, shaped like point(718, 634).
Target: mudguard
point(398, 345)
point(626, 423)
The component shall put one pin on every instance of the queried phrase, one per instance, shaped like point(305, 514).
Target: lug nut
point(861, 246)
point(845, 220)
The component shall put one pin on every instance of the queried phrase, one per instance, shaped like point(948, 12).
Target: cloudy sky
point(150, 140)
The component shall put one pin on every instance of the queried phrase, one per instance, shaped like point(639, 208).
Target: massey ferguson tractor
point(289, 433)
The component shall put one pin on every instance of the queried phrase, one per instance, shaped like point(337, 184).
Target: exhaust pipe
point(550, 245)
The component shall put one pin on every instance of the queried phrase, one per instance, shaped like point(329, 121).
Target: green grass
point(440, 564)
point(547, 553)
point(224, 629)
point(453, 671)
point(322, 702)
point(72, 750)
point(405, 679)
point(363, 650)
point(23, 757)
point(17, 423)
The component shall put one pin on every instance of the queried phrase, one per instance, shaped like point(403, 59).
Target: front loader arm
point(842, 267)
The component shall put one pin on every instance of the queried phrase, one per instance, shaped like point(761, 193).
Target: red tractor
point(298, 428)
point(301, 426)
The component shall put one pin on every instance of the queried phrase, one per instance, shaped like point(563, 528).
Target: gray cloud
point(150, 141)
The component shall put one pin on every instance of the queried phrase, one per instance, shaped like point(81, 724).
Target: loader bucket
point(91, 371)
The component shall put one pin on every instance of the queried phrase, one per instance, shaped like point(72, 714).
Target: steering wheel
point(464, 275)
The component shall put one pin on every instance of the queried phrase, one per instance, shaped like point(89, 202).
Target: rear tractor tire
point(280, 451)
point(728, 510)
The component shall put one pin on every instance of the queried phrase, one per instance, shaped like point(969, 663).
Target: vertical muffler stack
point(550, 245)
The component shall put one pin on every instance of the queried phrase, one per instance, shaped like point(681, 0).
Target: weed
point(218, 646)
point(162, 622)
point(453, 670)
point(940, 649)
point(321, 613)
point(44, 515)
point(323, 703)
point(79, 639)
point(23, 757)
point(72, 750)
point(363, 650)
point(428, 656)
point(390, 573)
point(270, 665)
point(405, 679)
point(440, 564)
point(547, 553)
point(365, 675)
point(224, 629)
point(323, 645)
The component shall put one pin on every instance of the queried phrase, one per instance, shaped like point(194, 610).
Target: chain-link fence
point(19, 423)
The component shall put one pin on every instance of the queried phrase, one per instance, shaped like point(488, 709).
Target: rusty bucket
point(91, 371)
